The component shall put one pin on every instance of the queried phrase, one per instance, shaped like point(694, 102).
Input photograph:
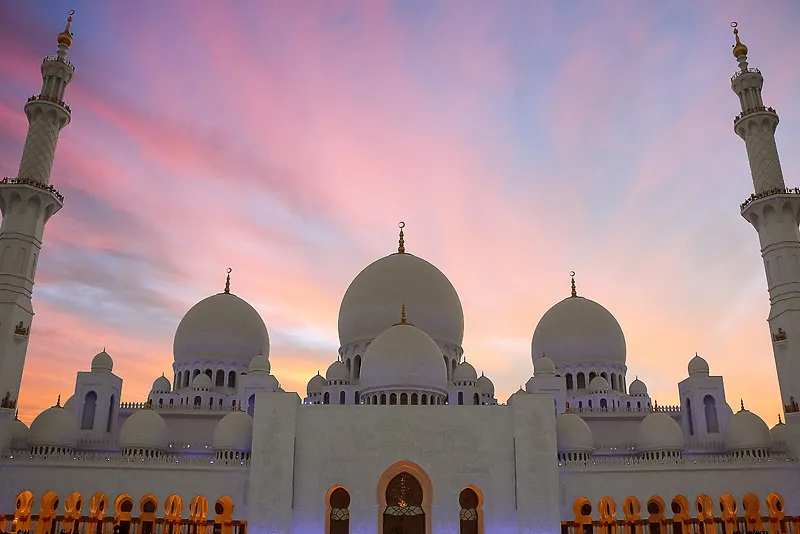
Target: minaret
point(27, 202)
point(774, 211)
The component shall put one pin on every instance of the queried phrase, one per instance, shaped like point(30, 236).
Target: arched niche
point(420, 476)
point(337, 511)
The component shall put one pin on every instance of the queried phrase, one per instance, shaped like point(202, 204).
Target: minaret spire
point(772, 210)
point(27, 202)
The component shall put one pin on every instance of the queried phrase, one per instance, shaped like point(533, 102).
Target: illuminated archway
point(223, 510)
point(98, 505)
point(47, 512)
point(471, 515)
point(608, 515)
point(777, 518)
point(22, 512)
point(198, 508)
point(705, 514)
point(72, 512)
point(173, 507)
point(655, 510)
point(420, 476)
point(752, 512)
point(633, 515)
point(680, 514)
point(727, 509)
point(148, 507)
point(337, 512)
point(122, 508)
point(582, 509)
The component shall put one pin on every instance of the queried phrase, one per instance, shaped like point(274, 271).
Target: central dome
point(371, 302)
point(222, 326)
point(578, 330)
point(403, 356)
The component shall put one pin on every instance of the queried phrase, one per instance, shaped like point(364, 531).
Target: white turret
point(27, 202)
point(773, 210)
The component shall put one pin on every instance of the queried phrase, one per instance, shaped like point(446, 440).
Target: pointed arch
point(420, 476)
point(223, 510)
point(608, 515)
point(337, 512)
point(656, 520)
point(471, 515)
point(47, 512)
point(752, 512)
point(22, 512)
point(680, 517)
point(72, 511)
point(173, 508)
point(88, 410)
point(198, 508)
point(632, 509)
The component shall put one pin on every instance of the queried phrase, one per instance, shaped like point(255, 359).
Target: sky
point(518, 140)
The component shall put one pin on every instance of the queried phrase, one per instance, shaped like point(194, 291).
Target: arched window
point(111, 408)
point(404, 398)
point(638, 405)
point(347, 363)
point(326, 399)
point(468, 517)
point(476, 399)
point(590, 404)
point(161, 403)
point(374, 399)
point(393, 398)
point(211, 402)
point(186, 378)
point(690, 417)
point(171, 403)
point(592, 376)
point(383, 398)
point(232, 379)
point(460, 398)
point(622, 383)
point(712, 423)
point(424, 399)
point(581, 381)
point(198, 400)
point(414, 399)
point(89, 409)
point(446, 366)
point(629, 405)
point(569, 380)
point(339, 515)
point(614, 381)
point(604, 375)
point(357, 367)
point(220, 380)
point(355, 397)
point(404, 511)
point(195, 373)
point(341, 397)
point(251, 405)
point(209, 373)
point(603, 403)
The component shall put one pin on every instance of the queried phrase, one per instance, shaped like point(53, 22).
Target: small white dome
point(599, 385)
point(659, 432)
point(746, 431)
point(637, 388)
point(316, 384)
point(544, 366)
point(372, 302)
point(69, 403)
point(465, 372)
point(102, 362)
point(573, 434)
point(234, 432)
point(144, 429)
point(16, 432)
point(516, 394)
point(161, 385)
point(221, 326)
point(698, 366)
point(485, 385)
point(780, 435)
point(578, 330)
point(54, 427)
point(337, 371)
point(402, 356)
point(259, 364)
point(201, 382)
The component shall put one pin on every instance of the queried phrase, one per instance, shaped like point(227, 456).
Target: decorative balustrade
point(624, 409)
point(118, 459)
point(688, 461)
point(47, 98)
point(188, 407)
point(753, 110)
point(738, 525)
point(745, 71)
point(106, 525)
point(34, 183)
point(777, 191)
point(63, 60)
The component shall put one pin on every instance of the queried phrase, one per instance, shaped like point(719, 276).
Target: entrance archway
point(405, 495)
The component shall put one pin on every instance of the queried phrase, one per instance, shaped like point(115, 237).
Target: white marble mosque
point(401, 434)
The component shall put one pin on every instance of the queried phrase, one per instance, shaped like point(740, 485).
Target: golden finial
point(16, 416)
point(149, 404)
point(742, 401)
point(65, 37)
point(779, 418)
point(566, 407)
point(239, 407)
point(228, 281)
point(738, 49)
point(403, 318)
point(58, 402)
point(401, 247)
point(572, 275)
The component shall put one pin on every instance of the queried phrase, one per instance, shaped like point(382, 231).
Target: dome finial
point(742, 402)
point(228, 282)
point(403, 318)
point(572, 275)
point(65, 37)
point(16, 416)
point(655, 409)
point(58, 402)
point(738, 48)
point(401, 247)
point(780, 422)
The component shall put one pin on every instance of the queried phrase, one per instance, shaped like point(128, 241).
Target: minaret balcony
point(761, 109)
point(50, 99)
point(745, 71)
point(25, 181)
point(794, 192)
point(65, 61)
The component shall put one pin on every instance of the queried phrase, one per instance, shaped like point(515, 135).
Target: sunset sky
point(518, 140)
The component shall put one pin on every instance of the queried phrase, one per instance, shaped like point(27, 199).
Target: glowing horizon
point(518, 142)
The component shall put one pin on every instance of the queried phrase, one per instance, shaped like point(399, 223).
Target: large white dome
point(54, 427)
point(573, 434)
point(745, 430)
point(144, 429)
point(402, 356)
point(372, 302)
point(659, 432)
point(234, 432)
point(221, 326)
point(578, 330)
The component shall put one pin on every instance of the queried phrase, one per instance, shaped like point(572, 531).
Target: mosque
point(401, 434)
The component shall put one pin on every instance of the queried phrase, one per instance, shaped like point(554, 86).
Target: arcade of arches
point(102, 516)
point(681, 516)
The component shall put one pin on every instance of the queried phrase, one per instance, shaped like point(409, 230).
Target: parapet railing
point(34, 183)
point(189, 407)
point(63, 60)
point(624, 409)
point(764, 194)
point(712, 525)
point(47, 98)
point(688, 461)
point(26, 524)
point(753, 110)
point(745, 71)
point(118, 459)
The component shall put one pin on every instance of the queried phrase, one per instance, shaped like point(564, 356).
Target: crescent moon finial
point(401, 247)
point(572, 275)
point(228, 281)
